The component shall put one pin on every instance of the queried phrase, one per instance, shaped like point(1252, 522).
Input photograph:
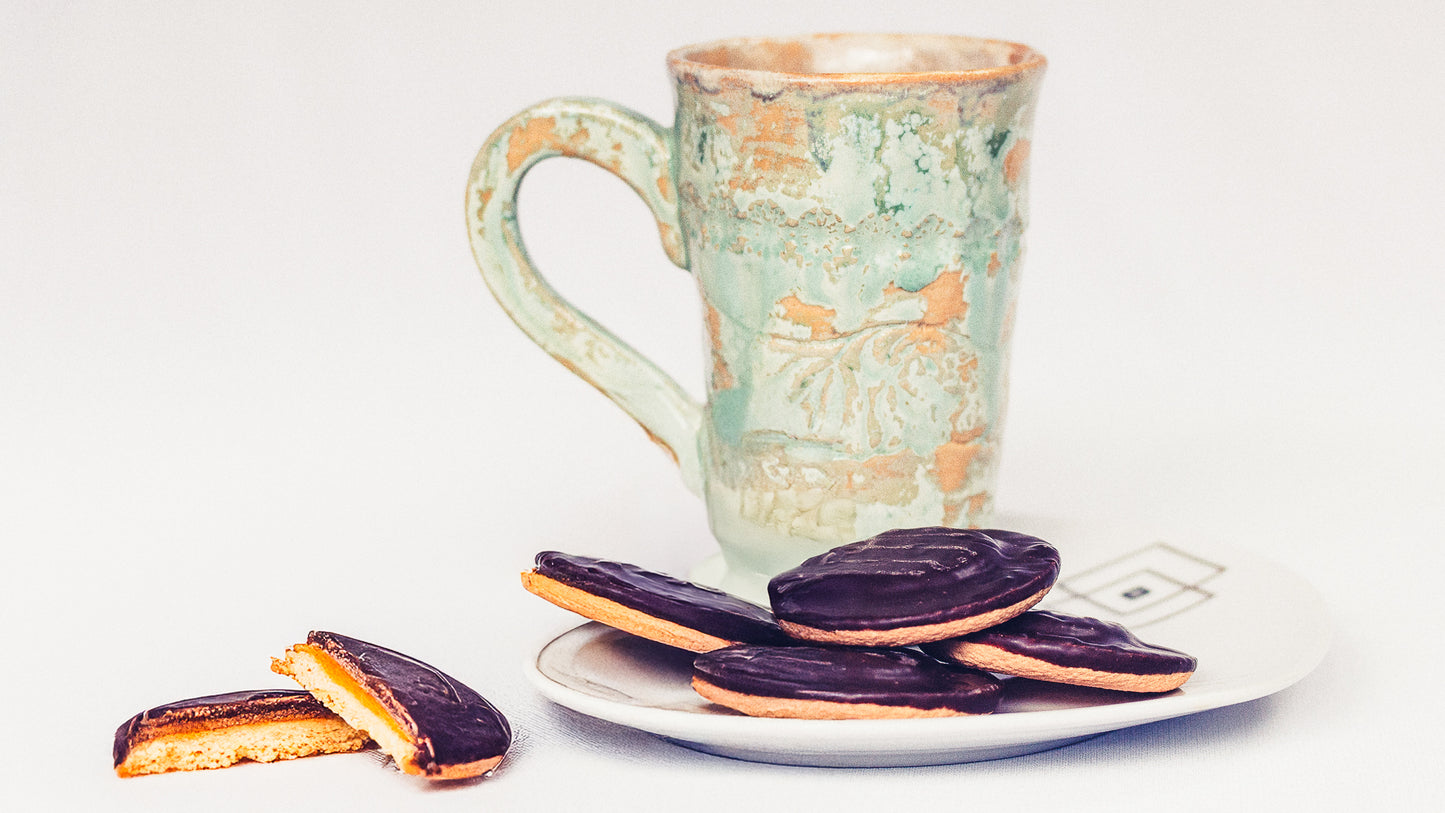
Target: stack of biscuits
point(916, 622)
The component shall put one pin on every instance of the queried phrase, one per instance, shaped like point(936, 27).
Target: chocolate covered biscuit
point(913, 585)
point(431, 724)
point(222, 729)
point(838, 683)
point(651, 605)
point(1070, 649)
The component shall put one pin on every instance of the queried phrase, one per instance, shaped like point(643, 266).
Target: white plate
point(1255, 628)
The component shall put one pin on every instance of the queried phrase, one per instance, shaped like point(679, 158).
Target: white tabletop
point(251, 383)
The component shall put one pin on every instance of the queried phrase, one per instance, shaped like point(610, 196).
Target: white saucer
point(1254, 627)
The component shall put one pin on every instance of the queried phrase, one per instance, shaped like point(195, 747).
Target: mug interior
point(832, 55)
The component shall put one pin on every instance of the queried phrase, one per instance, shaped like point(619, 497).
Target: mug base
point(714, 572)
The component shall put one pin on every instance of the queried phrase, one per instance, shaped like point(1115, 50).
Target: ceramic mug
point(853, 208)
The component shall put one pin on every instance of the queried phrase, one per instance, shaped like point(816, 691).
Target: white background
point(251, 383)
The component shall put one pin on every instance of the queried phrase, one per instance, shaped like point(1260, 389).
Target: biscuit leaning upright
point(431, 724)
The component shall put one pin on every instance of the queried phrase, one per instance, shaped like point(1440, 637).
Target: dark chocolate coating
point(888, 677)
point(450, 723)
point(912, 577)
point(216, 711)
point(704, 609)
point(1076, 641)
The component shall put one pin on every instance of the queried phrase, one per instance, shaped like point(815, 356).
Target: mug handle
point(637, 150)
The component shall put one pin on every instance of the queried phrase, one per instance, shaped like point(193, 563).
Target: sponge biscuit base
point(1001, 661)
point(792, 707)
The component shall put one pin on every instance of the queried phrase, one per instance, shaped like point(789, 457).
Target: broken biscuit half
point(431, 724)
point(219, 730)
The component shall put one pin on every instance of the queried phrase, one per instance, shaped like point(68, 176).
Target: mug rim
point(685, 60)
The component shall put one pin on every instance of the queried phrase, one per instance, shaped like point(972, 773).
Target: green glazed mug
point(853, 209)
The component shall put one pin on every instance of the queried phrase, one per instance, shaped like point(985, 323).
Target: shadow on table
point(1179, 735)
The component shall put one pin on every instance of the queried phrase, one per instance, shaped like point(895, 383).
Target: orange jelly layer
point(346, 683)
